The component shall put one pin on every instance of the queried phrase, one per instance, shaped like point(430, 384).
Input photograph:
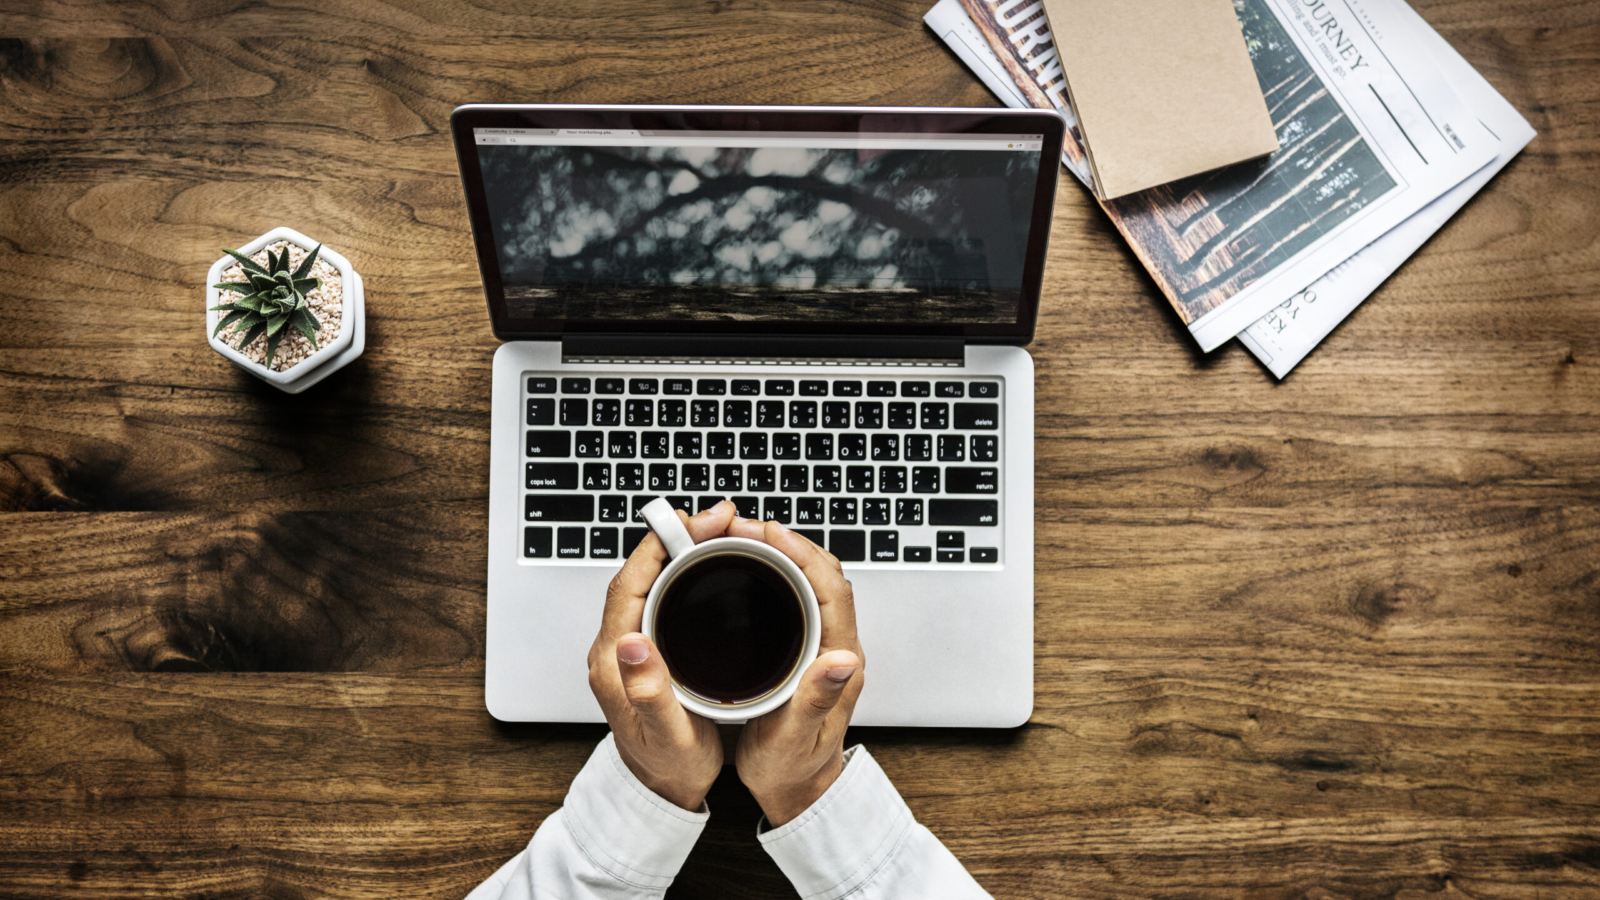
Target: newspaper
point(1371, 133)
point(1284, 336)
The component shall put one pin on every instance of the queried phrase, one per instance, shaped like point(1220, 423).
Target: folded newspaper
point(1373, 138)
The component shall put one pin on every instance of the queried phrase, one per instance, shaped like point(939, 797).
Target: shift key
point(963, 479)
point(942, 511)
point(558, 508)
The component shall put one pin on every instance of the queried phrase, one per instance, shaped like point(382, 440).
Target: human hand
point(791, 756)
point(674, 752)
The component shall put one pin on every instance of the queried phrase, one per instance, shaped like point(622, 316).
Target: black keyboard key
point(914, 388)
point(728, 478)
point(819, 446)
point(550, 443)
point(574, 411)
point(985, 448)
point(745, 387)
point(814, 535)
point(597, 476)
point(621, 444)
point(670, 413)
point(643, 386)
point(607, 412)
point(802, 413)
point(630, 476)
point(951, 540)
point(808, 511)
point(892, 480)
point(608, 385)
point(542, 411)
point(847, 388)
point(786, 445)
point(825, 479)
point(875, 511)
point(552, 476)
point(613, 508)
point(852, 446)
point(746, 507)
point(971, 480)
point(794, 479)
point(762, 478)
point(919, 554)
point(719, 445)
point(813, 389)
point(591, 445)
point(776, 509)
point(574, 385)
point(924, 480)
point(947, 389)
point(880, 389)
point(711, 387)
point(541, 385)
point(952, 448)
point(639, 414)
point(602, 543)
point(686, 444)
point(908, 512)
point(569, 542)
point(935, 416)
point(780, 388)
point(681, 502)
point(677, 386)
point(703, 413)
point(978, 416)
point(752, 445)
point(951, 556)
point(769, 414)
point(842, 511)
point(885, 447)
point(858, 479)
point(984, 390)
point(653, 445)
point(848, 545)
point(558, 508)
point(985, 554)
point(639, 502)
point(736, 414)
point(902, 415)
point(963, 512)
point(631, 538)
point(835, 415)
point(869, 414)
point(537, 541)
point(663, 477)
point(704, 503)
point(697, 477)
point(885, 546)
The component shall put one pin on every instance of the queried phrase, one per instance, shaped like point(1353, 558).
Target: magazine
point(1370, 134)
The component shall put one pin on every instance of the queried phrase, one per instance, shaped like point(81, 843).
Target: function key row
point(753, 387)
point(929, 415)
point(544, 542)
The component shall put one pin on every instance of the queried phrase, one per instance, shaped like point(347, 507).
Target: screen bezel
point(757, 119)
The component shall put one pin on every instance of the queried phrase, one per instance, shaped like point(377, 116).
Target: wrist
point(672, 790)
point(785, 802)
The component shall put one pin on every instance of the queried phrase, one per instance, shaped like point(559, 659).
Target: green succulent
point(272, 301)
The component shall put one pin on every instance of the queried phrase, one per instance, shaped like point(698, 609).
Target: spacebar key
point(559, 508)
point(963, 512)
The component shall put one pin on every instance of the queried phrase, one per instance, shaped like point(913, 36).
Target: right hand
point(789, 757)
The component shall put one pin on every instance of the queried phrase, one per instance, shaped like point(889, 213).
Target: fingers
point(821, 568)
point(824, 685)
point(645, 680)
point(624, 608)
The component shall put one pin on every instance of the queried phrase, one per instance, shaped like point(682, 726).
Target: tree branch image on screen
point(750, 233)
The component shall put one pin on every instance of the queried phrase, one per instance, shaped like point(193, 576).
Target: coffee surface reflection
point(730, 628)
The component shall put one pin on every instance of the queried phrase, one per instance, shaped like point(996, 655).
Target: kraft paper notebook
point(1163, 89)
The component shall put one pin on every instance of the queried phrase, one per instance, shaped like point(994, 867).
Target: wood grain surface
point(1337, 637)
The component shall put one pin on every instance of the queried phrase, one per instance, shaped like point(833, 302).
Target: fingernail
point(636, 652)
point(840, 673)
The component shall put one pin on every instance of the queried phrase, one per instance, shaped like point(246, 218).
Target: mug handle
point(662, 517)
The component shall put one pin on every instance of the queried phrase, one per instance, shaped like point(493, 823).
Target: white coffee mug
point(663, 519)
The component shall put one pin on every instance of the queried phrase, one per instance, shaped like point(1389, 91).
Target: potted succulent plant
point(286, 309)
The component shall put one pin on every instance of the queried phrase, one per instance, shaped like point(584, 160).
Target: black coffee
point(730, 628)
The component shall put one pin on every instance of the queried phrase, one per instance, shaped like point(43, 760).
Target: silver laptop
point(818, 313)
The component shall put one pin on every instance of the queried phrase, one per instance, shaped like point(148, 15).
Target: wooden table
point(1335, 637)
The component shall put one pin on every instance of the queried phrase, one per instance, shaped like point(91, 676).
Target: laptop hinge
point(809, 350)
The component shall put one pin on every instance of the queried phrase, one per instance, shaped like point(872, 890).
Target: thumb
point(824, 684)
point(644, 677)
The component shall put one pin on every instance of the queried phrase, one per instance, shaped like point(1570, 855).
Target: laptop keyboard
point(901, 470)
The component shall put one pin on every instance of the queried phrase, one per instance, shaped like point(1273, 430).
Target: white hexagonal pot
point(328, 358)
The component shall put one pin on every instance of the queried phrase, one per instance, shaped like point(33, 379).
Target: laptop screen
point(653, 226)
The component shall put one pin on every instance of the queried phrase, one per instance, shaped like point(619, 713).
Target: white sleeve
point(614, 839)
point(859, 840)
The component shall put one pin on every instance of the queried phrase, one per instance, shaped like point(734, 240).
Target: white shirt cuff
point(842, 840)
point(624, 827)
